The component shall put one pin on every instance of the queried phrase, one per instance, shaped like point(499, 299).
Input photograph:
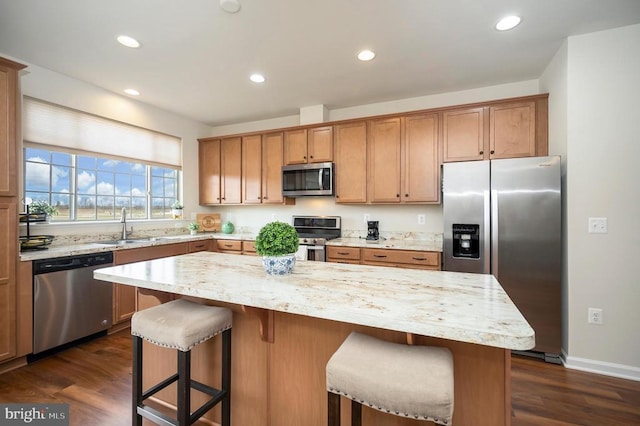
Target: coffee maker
point(372, 230)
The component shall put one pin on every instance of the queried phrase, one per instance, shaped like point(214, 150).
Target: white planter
point(193, 231)
point(279, 265)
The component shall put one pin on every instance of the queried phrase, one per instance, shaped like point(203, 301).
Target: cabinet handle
point(311, 156)
point(406, 195)
point(228, 245)
point(481, 152)
point(218, 198)
point(492, 152)
point(265, 198)
point(337, 196)
point(419, 258)
point(397, 195)
point(379, 255)
point(304, 156)
point(343, 253)
point(258, 198)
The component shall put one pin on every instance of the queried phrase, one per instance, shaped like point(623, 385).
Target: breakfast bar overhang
point(285, 329)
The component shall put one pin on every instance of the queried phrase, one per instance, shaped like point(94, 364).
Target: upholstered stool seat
point(181, 325)
point(403, 380)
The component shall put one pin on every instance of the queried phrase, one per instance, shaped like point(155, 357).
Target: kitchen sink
point(130, 241)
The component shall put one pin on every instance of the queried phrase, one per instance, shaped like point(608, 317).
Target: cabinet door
point(512, 130)
point(351, 162)
point(420, 159)
point(320, 144)
point(295, 146)
point(231, 165)
point(272, 152)
point(252, 169)
point(8, 277)
point(9, 102)
point(209, 171)
point(383, 147)
point(463, 134)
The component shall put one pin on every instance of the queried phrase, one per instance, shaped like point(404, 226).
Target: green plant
point(277, 239)
point(193, 226)
point(177, 205)
point(40, 206)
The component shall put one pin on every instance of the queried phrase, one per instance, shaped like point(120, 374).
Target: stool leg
point(184, 388)
point(356, 413)
point(136, 380)
point(333, 409)
point(226, 377)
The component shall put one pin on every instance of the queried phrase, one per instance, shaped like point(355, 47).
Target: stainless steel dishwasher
point(68, 303)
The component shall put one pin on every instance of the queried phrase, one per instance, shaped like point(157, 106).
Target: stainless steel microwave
point(301, 180)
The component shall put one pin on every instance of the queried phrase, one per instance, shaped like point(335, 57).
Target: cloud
point(85, 180)
point(37, 173)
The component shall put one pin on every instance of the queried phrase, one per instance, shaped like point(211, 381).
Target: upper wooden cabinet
point(262, 169)
point(209, 171)
point(9, 130)
point(383, 145)
point(350, 153)
point(500, 130)
point(314, 145)
point(220, 167)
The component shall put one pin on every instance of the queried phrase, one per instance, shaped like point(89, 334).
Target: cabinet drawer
point(229, 245)
point(249, 247)
point(195, 246)
point(402, 257)
point(352, 253)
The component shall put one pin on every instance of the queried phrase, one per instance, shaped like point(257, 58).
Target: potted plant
point(193, 228)
point(277, 243)
point(42, 207)
point(176, 210)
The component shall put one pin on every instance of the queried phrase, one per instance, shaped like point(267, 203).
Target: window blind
point(61, 127)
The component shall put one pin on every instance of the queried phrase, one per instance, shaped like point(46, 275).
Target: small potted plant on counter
point(193, 228)
point(277, 243)
point(176, 210)
point(42, 207)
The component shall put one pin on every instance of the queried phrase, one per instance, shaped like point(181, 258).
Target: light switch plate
point(598, 225)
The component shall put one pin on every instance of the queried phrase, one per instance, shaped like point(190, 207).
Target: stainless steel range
point(314, 232)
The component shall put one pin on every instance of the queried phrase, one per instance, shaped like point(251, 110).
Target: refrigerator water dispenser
point(466, 241)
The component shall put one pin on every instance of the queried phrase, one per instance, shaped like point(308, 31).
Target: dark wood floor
point(95, 379)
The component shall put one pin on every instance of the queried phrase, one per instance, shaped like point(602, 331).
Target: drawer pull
point(228, 245)
point(380, 255)
point(343, 253)
point(419, 258)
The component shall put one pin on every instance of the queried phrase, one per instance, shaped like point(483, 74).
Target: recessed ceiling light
point(132, 92)
point(366, 55)
point(128, 41)
point(507, 23)
point(257, 78)
point(230, 6)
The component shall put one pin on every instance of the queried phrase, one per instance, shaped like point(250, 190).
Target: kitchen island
point(286, 328)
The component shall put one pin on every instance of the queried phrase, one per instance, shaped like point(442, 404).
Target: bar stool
point(181, 325)
point(402, 380)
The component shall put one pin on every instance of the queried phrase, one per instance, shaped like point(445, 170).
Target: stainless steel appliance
point(314, 232)
point(373, 234)
point(300, 180)
point(503, 217)
point(68, 303)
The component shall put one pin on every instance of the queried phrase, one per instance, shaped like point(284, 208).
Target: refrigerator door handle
point(486, 233)
point(494, 233)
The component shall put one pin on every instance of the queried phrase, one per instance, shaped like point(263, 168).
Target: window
point(88, 188)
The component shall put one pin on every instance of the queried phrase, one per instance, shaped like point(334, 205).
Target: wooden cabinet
point(343, 254)
point(350, 153)
point(499, 130)
point(383, 149)
point(220, 167)
point(9, 131)
point(420, 159)
point(249, 248)
point(124, 296)
point(209, 171)
point(202, 245)
point(229, 246)
point(401, 258)
point(252, 169)
point(314, 145)
point(262, 169)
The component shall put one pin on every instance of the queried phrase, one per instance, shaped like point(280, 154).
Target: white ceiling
point(196, 59)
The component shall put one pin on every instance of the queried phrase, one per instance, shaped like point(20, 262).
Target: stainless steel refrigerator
point(503, 217)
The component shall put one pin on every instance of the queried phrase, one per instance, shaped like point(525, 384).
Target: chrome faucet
point(123, 221)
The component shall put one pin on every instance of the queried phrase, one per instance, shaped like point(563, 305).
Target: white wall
point(603, 150)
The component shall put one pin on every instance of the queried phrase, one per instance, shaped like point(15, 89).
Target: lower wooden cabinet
point(249, 248)
point(229, 246)
point(411, 259)
point(124, 296)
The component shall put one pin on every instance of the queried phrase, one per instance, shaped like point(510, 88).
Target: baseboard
point(601, 367)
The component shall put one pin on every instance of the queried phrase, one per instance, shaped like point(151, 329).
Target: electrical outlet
point(421, 219)
point(367, 218)
point(597, 225)
point(595, 316)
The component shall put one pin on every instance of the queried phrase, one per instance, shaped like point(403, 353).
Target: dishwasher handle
point(71, 262)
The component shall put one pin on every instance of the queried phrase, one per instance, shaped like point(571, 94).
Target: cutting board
point(209, 222)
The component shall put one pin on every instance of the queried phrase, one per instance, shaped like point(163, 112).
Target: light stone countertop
point(396, 244)
point(471, 308)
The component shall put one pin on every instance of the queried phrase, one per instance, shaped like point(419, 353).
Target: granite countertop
point(397, 244)
point(471, 308)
